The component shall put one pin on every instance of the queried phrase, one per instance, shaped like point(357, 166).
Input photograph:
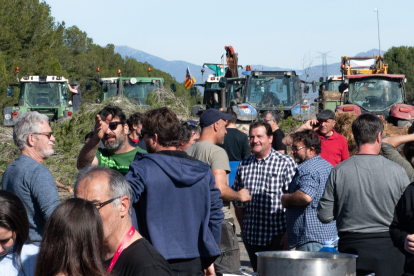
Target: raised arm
point(308, 125)
point(87, 155)
point(396, 141)
point(71, 89)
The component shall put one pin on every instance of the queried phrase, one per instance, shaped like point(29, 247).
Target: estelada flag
point(189, 79)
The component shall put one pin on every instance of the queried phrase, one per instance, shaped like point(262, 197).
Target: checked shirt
point(266, 180)
point(302, 222)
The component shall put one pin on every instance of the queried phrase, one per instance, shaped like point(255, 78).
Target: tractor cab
point(45, 94)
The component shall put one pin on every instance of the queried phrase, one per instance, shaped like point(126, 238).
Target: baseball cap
point(75, 83)
point(210, 116)
point(325, 115)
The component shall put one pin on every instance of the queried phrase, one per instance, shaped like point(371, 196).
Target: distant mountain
point(177, 68)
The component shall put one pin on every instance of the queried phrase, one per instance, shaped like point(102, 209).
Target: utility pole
point(324, 64)
point(379, 41)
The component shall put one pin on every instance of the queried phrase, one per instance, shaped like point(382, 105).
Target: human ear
point(124, 206)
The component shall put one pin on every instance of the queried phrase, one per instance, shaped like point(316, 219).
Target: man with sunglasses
point(111, 129)
point(177, 205)
point(27, 177)
point(305, 231)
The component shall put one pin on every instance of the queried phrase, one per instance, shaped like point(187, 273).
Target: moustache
point(51, 143)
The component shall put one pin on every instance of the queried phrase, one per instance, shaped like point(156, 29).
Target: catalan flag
point(189, 79)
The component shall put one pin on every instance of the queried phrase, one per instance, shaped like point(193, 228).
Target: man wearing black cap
point(213, 129)
point(76, 96)
point(334, 145)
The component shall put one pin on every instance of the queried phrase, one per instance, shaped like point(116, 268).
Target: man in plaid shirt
point(305, 231)
point(267, 175)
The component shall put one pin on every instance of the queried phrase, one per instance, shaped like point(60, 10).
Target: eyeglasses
point(47, 134)
point(297, 149)
point(100, 205)
point(192, 123)
point(114, 125)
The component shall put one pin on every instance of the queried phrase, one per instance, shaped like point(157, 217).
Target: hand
point(101, 127)
point(210, 271)
point(244, 195)
point(409, 244)
point(310, 124)
point(284, 241)
point(284, 199)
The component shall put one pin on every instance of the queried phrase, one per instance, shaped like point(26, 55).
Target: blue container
point(328, 247)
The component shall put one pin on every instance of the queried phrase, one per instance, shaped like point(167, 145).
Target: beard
point(49, 152)
point(117, 144)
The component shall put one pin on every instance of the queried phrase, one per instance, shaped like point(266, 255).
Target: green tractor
point(135, 89)
point(47, 95)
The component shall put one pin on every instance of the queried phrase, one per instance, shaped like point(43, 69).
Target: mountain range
point(177, 68)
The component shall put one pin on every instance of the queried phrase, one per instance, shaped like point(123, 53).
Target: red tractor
point(368, 88)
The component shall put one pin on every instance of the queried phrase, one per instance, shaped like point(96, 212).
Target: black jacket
point(403, 225)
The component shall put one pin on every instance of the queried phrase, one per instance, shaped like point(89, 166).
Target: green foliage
point(33, 41)
point(401, 61)
point(288, 124)
point(69, 140)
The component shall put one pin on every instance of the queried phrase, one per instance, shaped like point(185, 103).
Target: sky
point(273, 33)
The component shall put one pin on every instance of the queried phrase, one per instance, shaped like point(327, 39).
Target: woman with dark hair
point(16, 256)
point(73, 240)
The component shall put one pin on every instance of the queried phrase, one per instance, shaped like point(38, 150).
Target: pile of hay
point(344, 127)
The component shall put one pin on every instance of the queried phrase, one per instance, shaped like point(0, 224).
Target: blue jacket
point(177, 206)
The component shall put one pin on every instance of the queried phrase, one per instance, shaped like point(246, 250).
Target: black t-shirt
point(278, 136)
point(236, 144)
point(139, 259)
point(77, 100)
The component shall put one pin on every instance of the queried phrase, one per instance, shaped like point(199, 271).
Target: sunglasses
point(114, 125)
point(47, 134)
point(192, 123)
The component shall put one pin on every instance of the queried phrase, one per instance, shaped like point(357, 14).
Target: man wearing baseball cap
point(76, 96)
point(334, 145)
point(213, 129)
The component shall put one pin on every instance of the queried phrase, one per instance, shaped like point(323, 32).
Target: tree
point(401, 61)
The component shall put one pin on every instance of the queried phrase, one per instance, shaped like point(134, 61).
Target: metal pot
point(295, 263)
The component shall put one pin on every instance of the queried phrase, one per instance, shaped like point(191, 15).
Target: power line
point(324, 63)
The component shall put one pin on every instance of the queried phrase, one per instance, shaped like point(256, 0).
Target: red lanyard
point(121, 247)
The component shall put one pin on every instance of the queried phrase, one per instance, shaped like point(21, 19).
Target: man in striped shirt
point(267, 175)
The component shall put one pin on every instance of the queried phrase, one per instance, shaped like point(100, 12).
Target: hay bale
point(344, 127)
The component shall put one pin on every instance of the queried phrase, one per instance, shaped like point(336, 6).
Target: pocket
point(271, 186)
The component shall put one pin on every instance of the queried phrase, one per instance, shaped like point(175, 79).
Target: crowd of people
point(153, 196)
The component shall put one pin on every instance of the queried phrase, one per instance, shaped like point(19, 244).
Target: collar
point(271, 153)
point(333, 136)
point(309, 162)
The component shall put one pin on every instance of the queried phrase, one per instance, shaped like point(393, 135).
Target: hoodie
point(176, 203)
